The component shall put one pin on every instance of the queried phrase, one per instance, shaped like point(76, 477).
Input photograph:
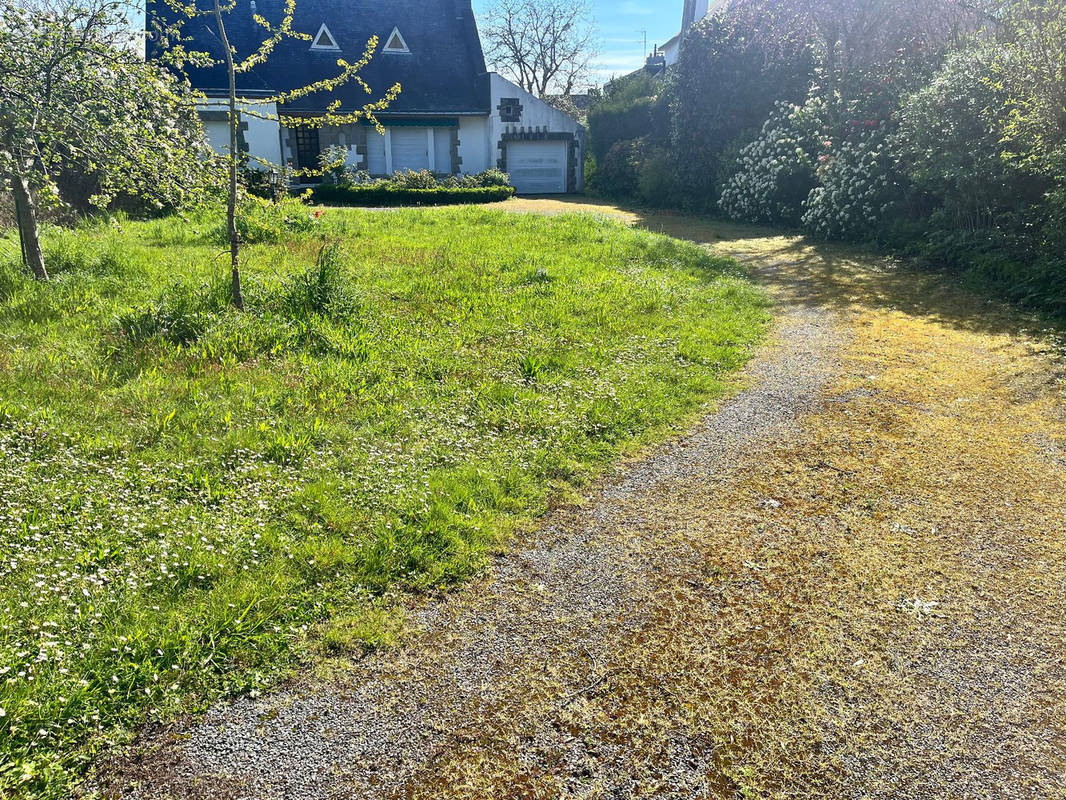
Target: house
point(452, 116)
point(666, 55)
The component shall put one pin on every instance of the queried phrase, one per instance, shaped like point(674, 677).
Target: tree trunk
point(29, 230)
point(231, 205)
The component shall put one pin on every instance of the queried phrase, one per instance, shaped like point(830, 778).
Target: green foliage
point(261, 221)
point(177, 317)
point(321, 290)
point(858, 190)
point(618, 172)
point(657, 181)
point(776, 172)
point(629, 108)
point(85, 119)
point(950, 141)
point(732, 71)
point(186, 490)
point(386, 194)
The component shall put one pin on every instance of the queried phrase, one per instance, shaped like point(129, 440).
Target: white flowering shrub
point(858, 188)
point(776, 172)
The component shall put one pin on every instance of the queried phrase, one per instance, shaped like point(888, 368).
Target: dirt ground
point(848, 582)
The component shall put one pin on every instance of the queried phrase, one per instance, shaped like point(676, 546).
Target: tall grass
point(186, 491)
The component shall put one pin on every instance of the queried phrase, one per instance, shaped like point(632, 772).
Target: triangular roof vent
point(396, 43)
point(324, 40)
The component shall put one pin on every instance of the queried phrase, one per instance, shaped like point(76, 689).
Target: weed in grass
point(530, 368)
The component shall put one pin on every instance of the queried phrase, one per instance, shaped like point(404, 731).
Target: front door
point(308, 150)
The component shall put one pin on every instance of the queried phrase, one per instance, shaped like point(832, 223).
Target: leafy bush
point(618, 172)
point(322, 289)
point(630, 108)
point(333, 161)
point(732, 71)
point(950, 143)
point(483, 180)
point(776, 172)
point(657, 182)
point(858, 190)
point(385, 194)
point(267, 185)
point(410, 179)
point(261, 221)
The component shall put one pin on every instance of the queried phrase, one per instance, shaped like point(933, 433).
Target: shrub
point(489, 178)
point(267, 185)
point(950, 143)
point(261, 221)
point(657, 183)
point(322, 289)
point(858, 192)
point(333, 161)
point(776, 172)
point(733, 68)
point(410, 179)
point(630, 108)
point(385, 194)
point(618, 173)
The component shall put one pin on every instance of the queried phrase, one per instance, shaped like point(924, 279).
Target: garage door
point(538, 167)
point(410, 148)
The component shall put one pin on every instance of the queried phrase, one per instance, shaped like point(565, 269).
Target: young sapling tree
point(216, 14)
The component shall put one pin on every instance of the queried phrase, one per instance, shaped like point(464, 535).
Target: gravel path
point(510, 653)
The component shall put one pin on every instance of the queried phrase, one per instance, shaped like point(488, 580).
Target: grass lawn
point(188, 494)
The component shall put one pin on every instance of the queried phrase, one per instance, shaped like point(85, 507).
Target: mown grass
point(186, 490)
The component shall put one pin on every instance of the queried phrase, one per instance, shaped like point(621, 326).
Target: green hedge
point(354, 195)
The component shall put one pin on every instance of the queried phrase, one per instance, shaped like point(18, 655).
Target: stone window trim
point(223, 116)
point(510, 109)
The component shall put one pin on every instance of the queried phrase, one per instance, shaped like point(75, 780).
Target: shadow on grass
point(801, 271)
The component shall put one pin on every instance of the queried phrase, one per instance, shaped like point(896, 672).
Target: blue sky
point(619, 24)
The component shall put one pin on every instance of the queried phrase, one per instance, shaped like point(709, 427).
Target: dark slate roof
point(443, 74)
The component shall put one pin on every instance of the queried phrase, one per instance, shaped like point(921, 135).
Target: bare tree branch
point(545, 46)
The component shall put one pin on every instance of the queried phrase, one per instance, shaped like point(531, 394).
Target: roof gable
point(442, 70)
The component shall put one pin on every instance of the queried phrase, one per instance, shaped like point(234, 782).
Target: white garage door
point(410, 148)
point(538, 167)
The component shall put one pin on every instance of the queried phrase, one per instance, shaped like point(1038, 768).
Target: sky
point(620, 25)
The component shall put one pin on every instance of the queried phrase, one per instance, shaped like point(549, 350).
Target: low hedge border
point(331, 194)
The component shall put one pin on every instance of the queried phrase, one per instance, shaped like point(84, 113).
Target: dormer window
point(395, 43)
point(324, 40)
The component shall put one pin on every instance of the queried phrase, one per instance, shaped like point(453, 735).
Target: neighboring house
point(666, 55)
point(453, 116)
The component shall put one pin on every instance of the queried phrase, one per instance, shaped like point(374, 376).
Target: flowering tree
point(216, 14)
point(75, 94)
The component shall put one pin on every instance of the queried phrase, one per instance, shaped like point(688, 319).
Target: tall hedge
point(631, 108)
point(732, 71)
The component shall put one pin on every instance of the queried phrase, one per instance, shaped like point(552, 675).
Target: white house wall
point(262, 137)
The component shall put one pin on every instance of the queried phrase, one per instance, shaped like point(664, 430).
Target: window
point(396, 43)
point(324, 40)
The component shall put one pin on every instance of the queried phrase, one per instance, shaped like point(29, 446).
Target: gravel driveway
point(770, 605)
